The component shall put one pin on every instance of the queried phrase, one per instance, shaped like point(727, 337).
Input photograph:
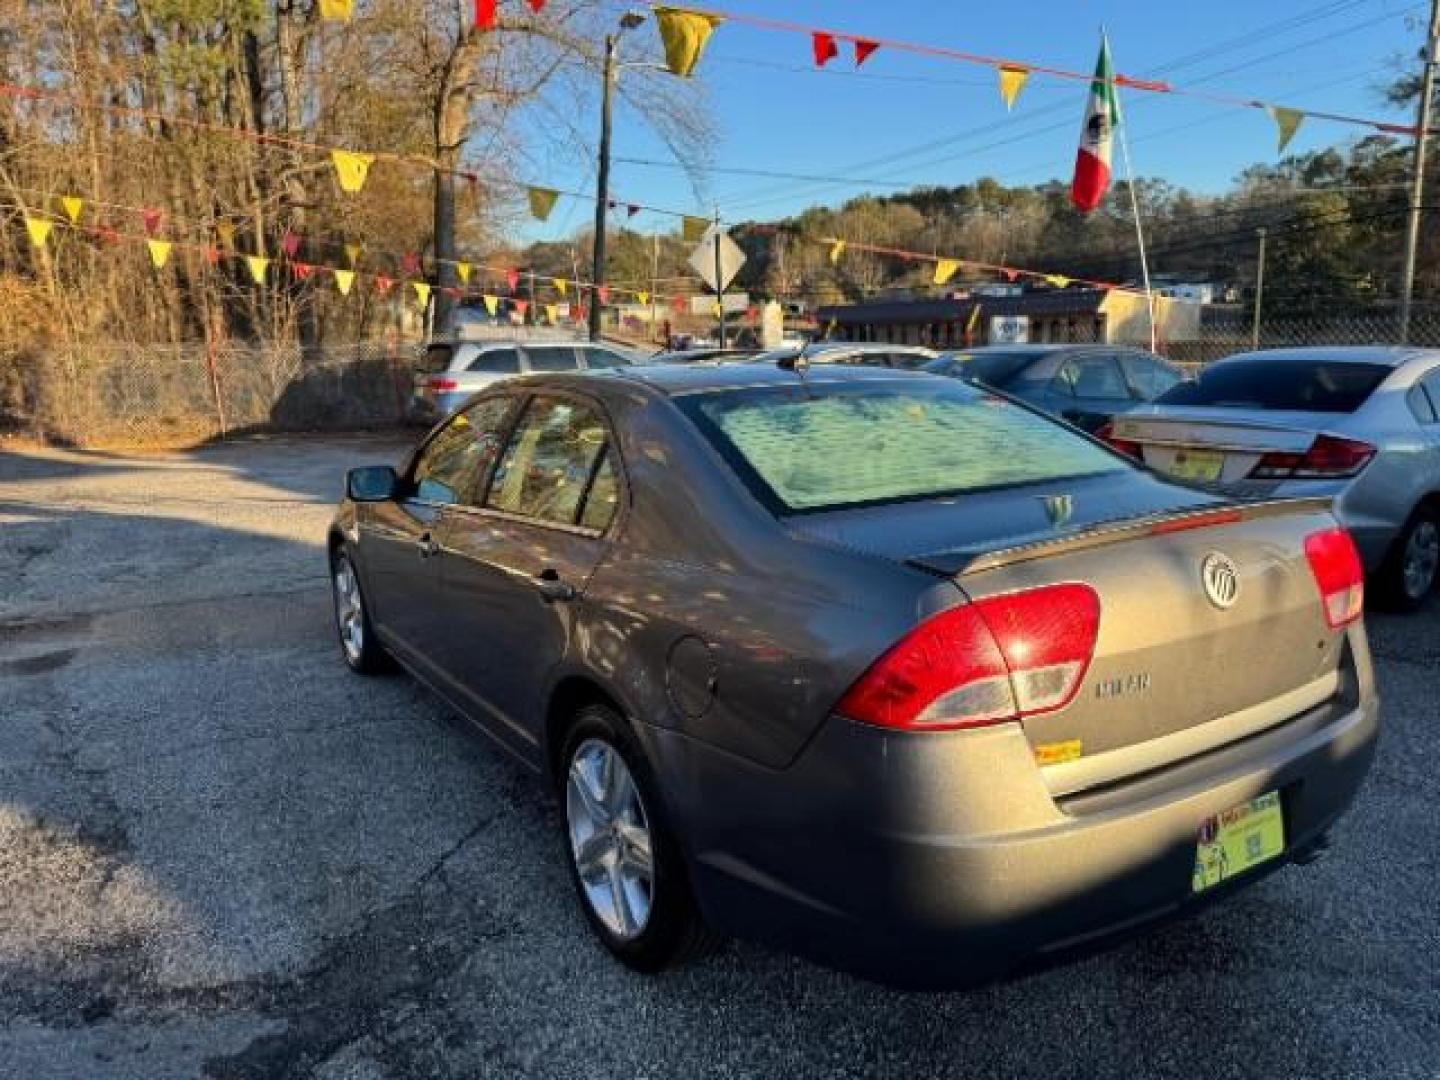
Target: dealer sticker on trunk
point(1240, 838)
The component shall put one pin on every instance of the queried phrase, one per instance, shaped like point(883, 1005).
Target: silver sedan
point(1359, 424)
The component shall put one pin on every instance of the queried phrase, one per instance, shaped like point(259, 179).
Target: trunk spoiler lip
point(962, 562)
point(1131, 426)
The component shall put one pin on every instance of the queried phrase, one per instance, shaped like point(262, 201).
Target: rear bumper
point(941, 860)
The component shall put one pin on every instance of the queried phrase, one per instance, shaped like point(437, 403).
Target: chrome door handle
point(552, 588)
point(427, 546)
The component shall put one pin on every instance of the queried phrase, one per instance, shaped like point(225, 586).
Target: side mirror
point(372, 483)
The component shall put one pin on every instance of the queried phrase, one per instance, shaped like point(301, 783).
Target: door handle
point(427, 546)
point(552, 588)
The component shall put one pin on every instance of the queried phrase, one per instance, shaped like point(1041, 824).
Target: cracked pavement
point(222, 855)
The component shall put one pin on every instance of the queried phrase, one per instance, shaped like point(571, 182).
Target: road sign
point(703, 261)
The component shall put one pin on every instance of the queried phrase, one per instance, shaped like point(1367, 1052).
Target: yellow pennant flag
point(352, 252)
point(837, 248)
point(258, 264)
point(945, 270)
point(422, 293)
point(643, 298)
point(72, 205)
point(542, 201)
point(685, 34)
point(551, 314)
point(715, 308)
point(974, 320)
point(159, 252)
point(1012, 81)
point(226, 231)
point(492, 304)
point(692, 229)
point(351, 169)
point(1060, 281)
point(39, 230)
point(336, 10)
point(462, 271)
point(344, 279)
point(560, 286)
point(1287, 123)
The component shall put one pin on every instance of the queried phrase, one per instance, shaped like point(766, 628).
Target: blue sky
point(910, 120)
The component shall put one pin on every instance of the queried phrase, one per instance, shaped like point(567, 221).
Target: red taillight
point(1329, 457)
point(441, 385)
point(1106, 434)
point(1338, 574)
point(997, 659)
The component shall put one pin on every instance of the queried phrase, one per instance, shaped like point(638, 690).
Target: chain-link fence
point(170, 394)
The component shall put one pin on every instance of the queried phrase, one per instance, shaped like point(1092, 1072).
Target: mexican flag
point(1102, 117)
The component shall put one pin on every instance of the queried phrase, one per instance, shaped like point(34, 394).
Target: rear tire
point(358, 645)
point(624, 862)
point(1410, 570)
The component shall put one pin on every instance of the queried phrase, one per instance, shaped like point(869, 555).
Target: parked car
point(707, 355)
point(809, 662)
point(452, 371)
point(1360, 425)
point(866, 353)
point(1083, 384)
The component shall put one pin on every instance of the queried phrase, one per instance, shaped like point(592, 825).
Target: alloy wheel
point(1422, 558)
point(349, 611)
point(610, 839)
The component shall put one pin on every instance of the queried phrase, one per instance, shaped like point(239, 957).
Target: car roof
point(1045, 349)
point(1388, 355)
point(675, 379)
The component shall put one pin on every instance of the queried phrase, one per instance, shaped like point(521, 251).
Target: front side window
point(452, 464)
point(829, 446)
point(497, 362)
point(550, 460)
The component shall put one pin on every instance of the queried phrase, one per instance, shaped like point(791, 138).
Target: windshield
point(1260, 382)
point(818, 446)
point(994, 368)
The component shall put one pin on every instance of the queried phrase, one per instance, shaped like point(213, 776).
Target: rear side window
point(1148, 376)
point(602, 358)
point(496, 362)
point(993, 369)
point(824, 447)
point(552, 358)
point(1258, 382)
point(1095, 377)
point(550, 461)
point(437, 359)
point(1420, 404)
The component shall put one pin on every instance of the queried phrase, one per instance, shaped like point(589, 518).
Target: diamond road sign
point(702, 259)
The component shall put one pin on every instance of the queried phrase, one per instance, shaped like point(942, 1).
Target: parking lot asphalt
point(223, 855)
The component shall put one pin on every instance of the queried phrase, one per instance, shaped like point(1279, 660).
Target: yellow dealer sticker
point(1056, 752)
point(1242, 837)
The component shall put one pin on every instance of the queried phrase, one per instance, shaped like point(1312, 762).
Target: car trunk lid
point(1217, 445)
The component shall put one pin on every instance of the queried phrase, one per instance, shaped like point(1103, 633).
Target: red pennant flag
point(383, 284)
point(153, 219)
point(290, 243)
point(825, 48)
point(521, 306)
point(474, 182)
point(485, 14)
point(410, 264)
point(603, 292)
point(107, 235)
point(863, 49)
point(678, 303)
point(301, 270)
point(512, 278)
point(537, 6)
point(212, 254)
point(752, 312)
point(631, 209)
point(1010, 275)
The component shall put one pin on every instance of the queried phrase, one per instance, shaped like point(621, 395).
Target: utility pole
point(602, 187)
point(1259, 290)
point(609, 73)
point(1417, 182)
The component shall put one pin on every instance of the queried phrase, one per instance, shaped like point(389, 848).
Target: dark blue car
point(1084, 384)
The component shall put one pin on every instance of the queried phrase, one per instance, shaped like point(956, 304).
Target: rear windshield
point(1258, 382)
point(817, 446)
point(996, 369)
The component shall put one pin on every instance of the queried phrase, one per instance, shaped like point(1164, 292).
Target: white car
point(452, 371)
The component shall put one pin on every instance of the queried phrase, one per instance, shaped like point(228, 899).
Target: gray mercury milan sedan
point(876, 666)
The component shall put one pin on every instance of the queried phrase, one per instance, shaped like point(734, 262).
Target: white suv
point(452, 371)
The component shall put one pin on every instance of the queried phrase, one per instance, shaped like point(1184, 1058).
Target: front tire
point(625, 864)
point(1410, 570)
point(358, 645)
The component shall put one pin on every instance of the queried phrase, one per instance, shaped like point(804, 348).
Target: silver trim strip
point(1069, 777)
